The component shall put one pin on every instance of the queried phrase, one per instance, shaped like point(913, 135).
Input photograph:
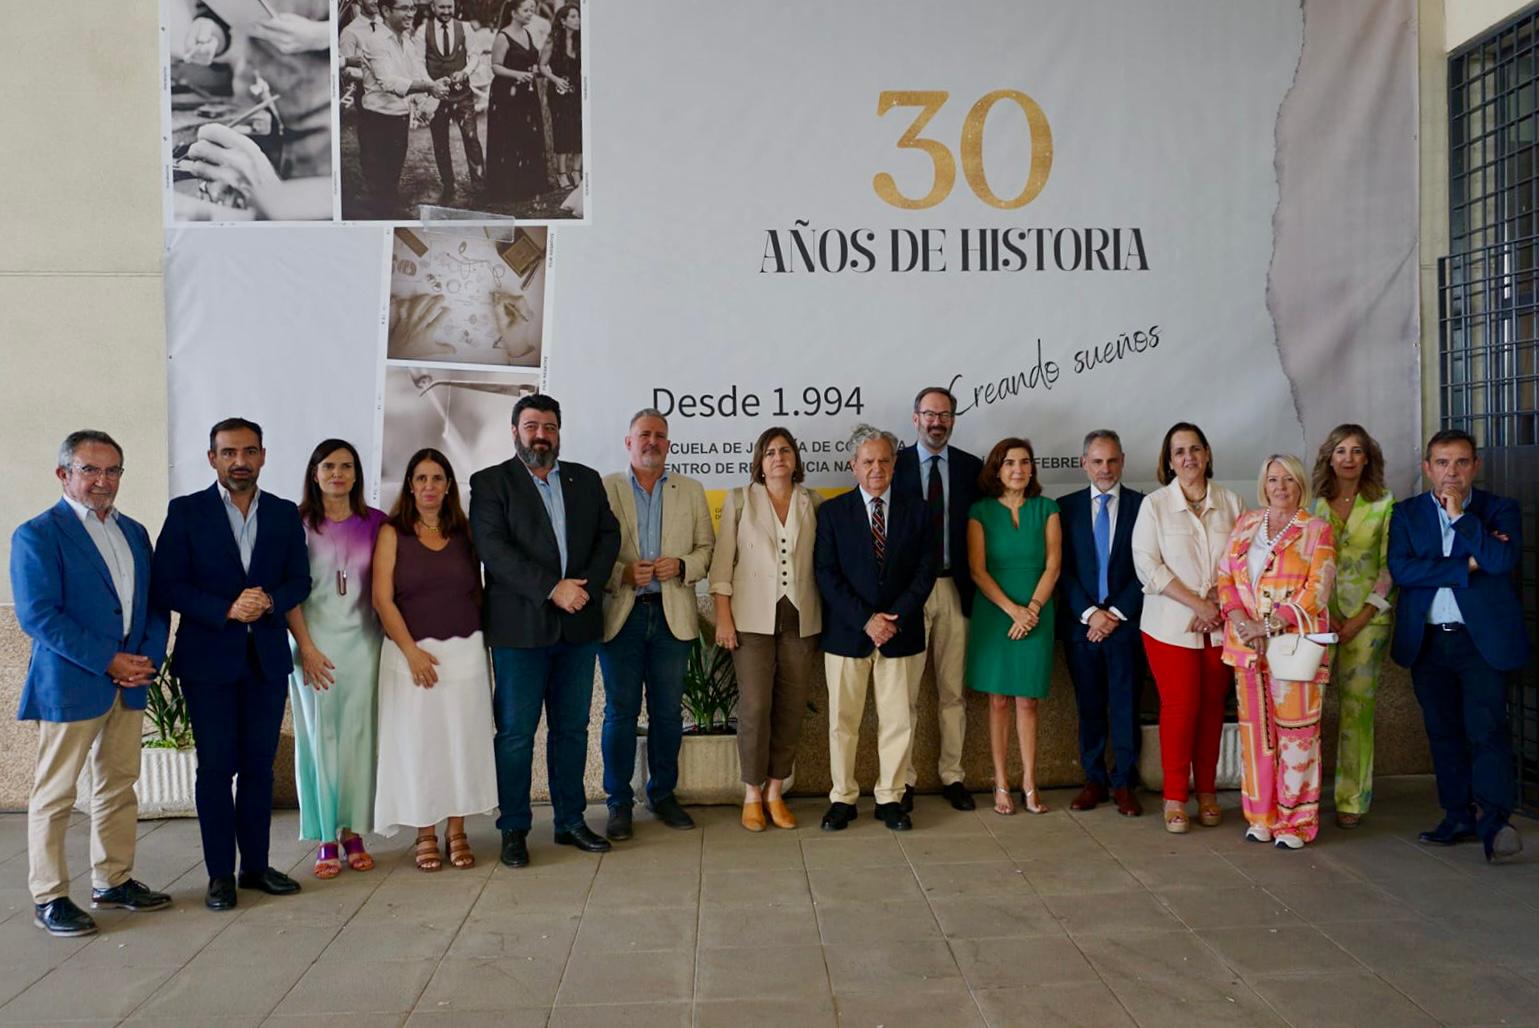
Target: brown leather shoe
point(780, 813)
point(753, 817)
point(1089, 797)
point(1127, 802)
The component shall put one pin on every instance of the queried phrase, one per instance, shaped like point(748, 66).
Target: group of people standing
point(936, 555)
point(390, 54)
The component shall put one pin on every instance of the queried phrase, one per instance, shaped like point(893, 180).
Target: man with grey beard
point(543, 529)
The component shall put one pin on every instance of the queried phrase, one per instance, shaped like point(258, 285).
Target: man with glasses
point(80, 575)
point(945, 479)
point(393, 70)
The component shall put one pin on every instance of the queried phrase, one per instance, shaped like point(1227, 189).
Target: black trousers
point(1464, 706)
point(1108, 678)
point(461, 111)
point(235, 726)
point(382, 140)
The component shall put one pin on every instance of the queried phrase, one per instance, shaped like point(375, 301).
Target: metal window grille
point(1488, 304)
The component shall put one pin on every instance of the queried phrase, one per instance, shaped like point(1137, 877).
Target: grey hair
point(649, 412)
point(75, 440)
point(864, 433)
point(1096, 435)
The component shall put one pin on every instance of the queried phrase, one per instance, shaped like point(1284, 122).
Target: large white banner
point(1101, 214)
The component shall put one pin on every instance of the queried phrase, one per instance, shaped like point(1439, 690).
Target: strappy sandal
point(327, 863)
point(357, 857)
point(426, 853)
point(1176, 821)
point(1209, 813)
point(457, 849)
point(1006, 806)
point(1029, 802)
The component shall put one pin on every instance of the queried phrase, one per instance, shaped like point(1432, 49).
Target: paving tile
point(209, 989)
point(343, 986)
point(632, 1015)
point(1341, 1001)
point(906, 967)
point(925, 848)
point(164, 938)
point(795, 973)
point(510, 895)
point(86, 993)
point(775, 853)
point(995, 918)
point(507, 1017)
point(860, 924)
point(1332, 902)
point(1071, 876)
point(753, 886)
point(996, 878)
point(1003, 963)
point(657, 977)
point(1232, 907)
point(644, 889)
point(371, 1019)
point(952, 1007)
point(195, 1022)
point(1081, 1005)
point(527, 980)
point(635, 931)
point(1277, 950)
point(764, 1013)
point(785, 924)
point(1386, 946)
point(1111, 913)
point(1201, 871)
point(840, 852)
point(1183, 1003)
point(864, 885)
point(1140, 956)
point(371, 942)
point(1468, 995)
point(509, 934)
point(1270, 866)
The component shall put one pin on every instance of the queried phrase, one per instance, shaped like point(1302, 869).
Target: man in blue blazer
point(80, 575)
point(1098, 617)
point(1459, 628)
point(232, 561)
point(875, 567)
point(947, 486)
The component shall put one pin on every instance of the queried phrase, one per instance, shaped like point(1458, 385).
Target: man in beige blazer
point(650, 620)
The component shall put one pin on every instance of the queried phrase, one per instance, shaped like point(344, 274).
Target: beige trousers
point(893, 679)
point(945, 632)
point(111, 743)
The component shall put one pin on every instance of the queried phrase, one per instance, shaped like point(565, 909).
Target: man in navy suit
point(1459, 628)
point(875, 567)
point(80, 575)
point(232, 561)
point(947, 485)
point(1102, 599)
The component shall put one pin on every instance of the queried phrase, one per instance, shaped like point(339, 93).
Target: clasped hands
point(130, 669)
point(249, 605)
point(882, 627)
point(1102, 623)
point(1023, 619)
point(1206, 617)
point(570, 594)
point(645, 572)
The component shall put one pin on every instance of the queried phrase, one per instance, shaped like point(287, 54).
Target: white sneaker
point(1258, 833)
point(1289, 842)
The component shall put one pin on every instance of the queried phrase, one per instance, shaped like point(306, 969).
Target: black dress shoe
point(907, 803)
point(671, 814)
point(838, 816)
point(62, 918)
point(130, 895)
point(583, 838)
point(269, 880)
point(957, 795)
point(221, 893)
point(515, 849)
point(618, 827)
point(1448, 832)
point(1501, 844)
point(893, 816)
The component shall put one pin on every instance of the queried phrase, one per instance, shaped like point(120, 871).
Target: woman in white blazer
point(769, 615)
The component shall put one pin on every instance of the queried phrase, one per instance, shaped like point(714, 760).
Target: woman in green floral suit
point(1349, 484)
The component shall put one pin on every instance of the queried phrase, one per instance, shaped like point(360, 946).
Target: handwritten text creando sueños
point(803, 249)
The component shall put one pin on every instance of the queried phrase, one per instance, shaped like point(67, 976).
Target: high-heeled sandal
point(1006, 806)
point(457, 849)
point(1029, 802)
point(1176, 821)
point(1209, 813)
point(327, 863)
point(358, 858)
point(426, 854)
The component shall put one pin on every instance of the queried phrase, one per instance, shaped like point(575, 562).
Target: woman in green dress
point(336, 662)
point(1349, 483)
point(1014, 549)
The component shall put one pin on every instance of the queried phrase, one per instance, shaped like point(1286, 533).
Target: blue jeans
point(559, 678)
point(644, 652)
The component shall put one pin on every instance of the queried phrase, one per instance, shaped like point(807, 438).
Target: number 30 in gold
point(930, 102)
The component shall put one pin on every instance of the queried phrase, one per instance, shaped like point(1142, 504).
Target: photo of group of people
point(434, 109)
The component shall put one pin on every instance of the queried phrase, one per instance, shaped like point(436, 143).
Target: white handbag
point(1296, 656)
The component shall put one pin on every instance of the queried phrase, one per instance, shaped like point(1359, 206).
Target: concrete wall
point(1463, 20)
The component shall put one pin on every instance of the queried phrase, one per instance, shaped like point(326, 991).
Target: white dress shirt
point(886, 498)
point(944, 457)
point(1112, 504)
point(242, 526)
point(391, 63)
point(1444, 609)
point(112, 544)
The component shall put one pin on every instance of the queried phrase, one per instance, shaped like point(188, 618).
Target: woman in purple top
point(435, 692)
point(336, 662)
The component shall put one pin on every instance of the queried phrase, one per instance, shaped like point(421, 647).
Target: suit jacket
point(746, 564)
point(687, 534)
point(962, 483)
point(198, 574)
point(517, 544)
point(67, 603)
point(1492, 612)
point(854, 586)
point(1079, 581)
point(1301, 568)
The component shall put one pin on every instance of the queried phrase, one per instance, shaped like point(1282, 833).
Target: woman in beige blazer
point(1181, 534)
point(769, 615)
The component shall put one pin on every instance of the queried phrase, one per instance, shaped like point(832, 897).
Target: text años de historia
point(804, 248)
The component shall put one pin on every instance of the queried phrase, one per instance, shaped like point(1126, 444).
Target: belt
point(1447, 626)
point(649, 597)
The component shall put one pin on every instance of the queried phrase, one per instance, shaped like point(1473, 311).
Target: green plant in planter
point(710, 689)
point(166, 708)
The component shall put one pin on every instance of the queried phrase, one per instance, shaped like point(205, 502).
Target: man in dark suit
point(947, 485)
point(80, 574)
point(545, 532)
point(232, 561)
point(1102, 599)
point(446, 55)
point(875, 566)
point(1459, 628)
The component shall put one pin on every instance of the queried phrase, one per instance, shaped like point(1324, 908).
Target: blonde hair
point(1295, 469)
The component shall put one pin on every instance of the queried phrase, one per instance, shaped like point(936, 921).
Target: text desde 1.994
point(780, 402)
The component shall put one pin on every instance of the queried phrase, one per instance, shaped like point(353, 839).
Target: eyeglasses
point(112, 474)
point(933, 416)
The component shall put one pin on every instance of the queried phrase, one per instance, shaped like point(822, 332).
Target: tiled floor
point(970, 919)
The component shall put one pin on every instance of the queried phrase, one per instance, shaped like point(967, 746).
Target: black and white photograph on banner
point(250, 116)
point(466, 414)
point(461, 109)
point(468, 295)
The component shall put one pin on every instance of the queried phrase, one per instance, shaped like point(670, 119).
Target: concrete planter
point(165, 785)
point(1229, 766)
point(709, 771)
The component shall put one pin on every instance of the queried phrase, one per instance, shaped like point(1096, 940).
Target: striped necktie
point(878, 532)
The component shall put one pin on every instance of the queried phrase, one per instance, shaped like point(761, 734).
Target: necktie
point(878, 532)
point(935, 500)
point(1102, 546)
